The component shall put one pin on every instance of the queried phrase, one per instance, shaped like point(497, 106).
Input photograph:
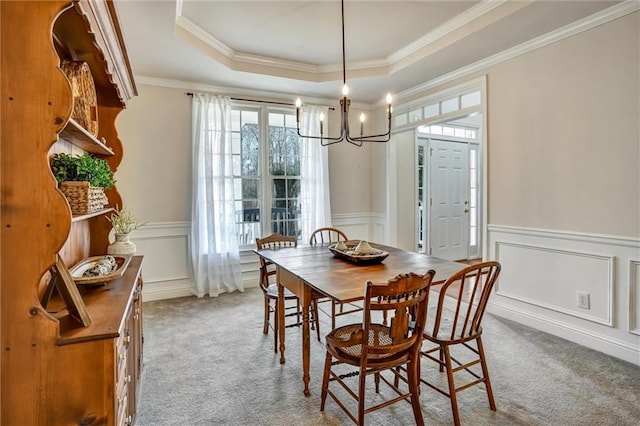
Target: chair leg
point(333, 314)
point(276, 322)
point(452, 385)
point(413, 377)
point(325, 381)
point(361, 388)
point(267, 313)
point(316, 318)
point(485, 373)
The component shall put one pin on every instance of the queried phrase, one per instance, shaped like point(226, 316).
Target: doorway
point(448, 181)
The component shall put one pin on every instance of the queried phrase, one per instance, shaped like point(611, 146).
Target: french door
point(449, 204)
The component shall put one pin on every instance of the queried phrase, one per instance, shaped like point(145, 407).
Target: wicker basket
point(83, 198)
point(85, 106)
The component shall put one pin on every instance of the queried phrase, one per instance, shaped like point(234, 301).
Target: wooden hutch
point(54, 370)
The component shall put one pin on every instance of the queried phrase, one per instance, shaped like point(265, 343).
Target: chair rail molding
point(546, 271)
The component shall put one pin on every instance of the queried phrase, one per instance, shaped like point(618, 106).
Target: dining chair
point(327, 236)
point(375, 348)
point(270, 290)
point(456, 323)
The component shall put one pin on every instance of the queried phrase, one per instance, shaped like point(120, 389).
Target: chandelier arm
point(364, 139)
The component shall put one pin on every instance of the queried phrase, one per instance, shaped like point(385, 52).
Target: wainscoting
point(167, 267)
point(545, 273)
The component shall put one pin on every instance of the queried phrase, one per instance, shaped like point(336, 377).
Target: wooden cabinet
point(53, 370)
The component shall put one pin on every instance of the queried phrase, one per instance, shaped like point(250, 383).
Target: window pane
point(431, 110)
point(436, 130)
point(459, 133)
point(290, 121)
point(251, 190)
point(235, 143)
point(235, 120)
point(415, 115)
point(293, 188)
point(470, 99)
point(250, 165)
point(236, 165)
point(279, 188)
point(276, 120)
point(400, 119)
point(249, 117)
point(449, 105)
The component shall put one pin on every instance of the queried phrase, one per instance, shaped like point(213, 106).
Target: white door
point(449, 184)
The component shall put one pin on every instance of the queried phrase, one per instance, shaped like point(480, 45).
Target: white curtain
point(214, 243)
point(314, 174)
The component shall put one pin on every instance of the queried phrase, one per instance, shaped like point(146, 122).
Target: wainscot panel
point(167, 266)
point(546, 274)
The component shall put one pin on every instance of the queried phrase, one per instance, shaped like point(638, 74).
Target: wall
point(563, 163)
point(155, 182)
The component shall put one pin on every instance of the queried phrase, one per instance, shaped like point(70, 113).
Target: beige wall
point(564, 140)
point(155, 175)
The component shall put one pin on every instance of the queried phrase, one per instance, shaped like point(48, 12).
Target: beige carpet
point(206, 362)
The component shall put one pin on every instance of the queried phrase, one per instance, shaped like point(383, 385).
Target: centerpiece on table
point(82, 179)
point(124, 222)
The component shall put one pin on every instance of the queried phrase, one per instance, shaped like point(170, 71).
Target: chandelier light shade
point(345, 102)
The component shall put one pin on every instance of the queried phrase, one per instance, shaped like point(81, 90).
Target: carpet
point(207, 362)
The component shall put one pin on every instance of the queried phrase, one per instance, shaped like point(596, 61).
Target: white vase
point(121, 245)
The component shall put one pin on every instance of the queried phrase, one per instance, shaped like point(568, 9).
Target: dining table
point(315, 271)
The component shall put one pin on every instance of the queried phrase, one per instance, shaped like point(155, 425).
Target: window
point(266, 169)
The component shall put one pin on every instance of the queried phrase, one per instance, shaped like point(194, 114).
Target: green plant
point(80, 168)
point(123, 221)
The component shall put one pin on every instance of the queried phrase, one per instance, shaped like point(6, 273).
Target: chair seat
point(272, 291)
point(378, 335)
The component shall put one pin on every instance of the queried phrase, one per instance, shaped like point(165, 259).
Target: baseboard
point(584, 337)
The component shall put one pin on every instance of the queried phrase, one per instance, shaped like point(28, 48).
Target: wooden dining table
point(314, 271)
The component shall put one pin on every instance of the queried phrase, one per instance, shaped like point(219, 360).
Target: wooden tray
point(78, 269)
point(360, 259)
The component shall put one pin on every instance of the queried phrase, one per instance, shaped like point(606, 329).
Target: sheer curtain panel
point(314, 174)
point(214, 243)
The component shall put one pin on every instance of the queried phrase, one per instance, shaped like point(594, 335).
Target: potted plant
point(82, 179)
point(124, 222)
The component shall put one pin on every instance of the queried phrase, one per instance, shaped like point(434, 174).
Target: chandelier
point(344, 107)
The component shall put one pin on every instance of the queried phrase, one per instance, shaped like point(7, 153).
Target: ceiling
point(295, 47)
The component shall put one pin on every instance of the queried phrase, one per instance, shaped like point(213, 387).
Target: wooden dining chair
point(270, 289)
point(375, 348)
point(457, 324)
point(327, 236)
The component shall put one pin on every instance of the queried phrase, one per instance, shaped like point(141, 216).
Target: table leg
point(303, 292)
point(281, 324)
point(305, 347)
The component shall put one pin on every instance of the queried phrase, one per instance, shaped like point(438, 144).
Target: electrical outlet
point(583, 300)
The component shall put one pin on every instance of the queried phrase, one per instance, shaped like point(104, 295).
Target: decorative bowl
point(78, 270)
point(352, 253)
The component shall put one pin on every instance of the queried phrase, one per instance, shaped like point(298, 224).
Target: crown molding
point(600, 18)
point(448, 27)
point(196, 36)
point(231, 91)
